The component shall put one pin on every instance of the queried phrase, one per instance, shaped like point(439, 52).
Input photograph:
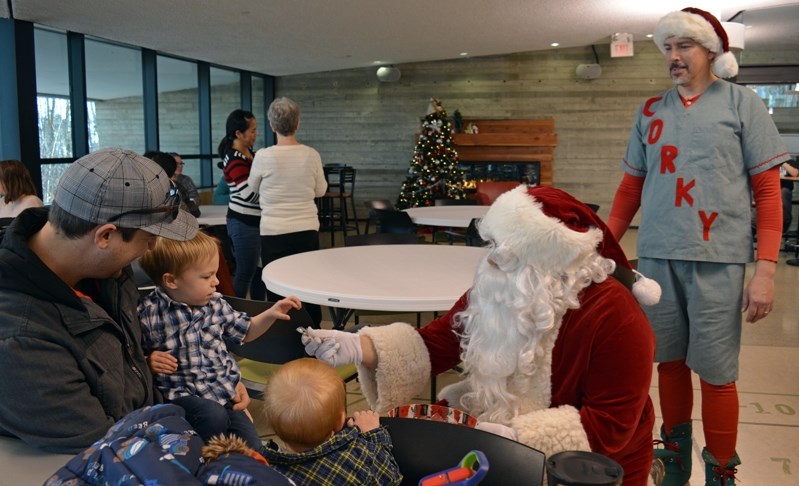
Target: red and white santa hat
point(549, 229)
point(704, 28)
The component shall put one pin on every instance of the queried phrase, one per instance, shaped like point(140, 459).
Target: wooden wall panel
point(348, 116)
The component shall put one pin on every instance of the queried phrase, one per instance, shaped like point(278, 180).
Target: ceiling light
point(464, 53)
point(388, 74)
point(554, 44)
point(649, 36)
point(735, 34)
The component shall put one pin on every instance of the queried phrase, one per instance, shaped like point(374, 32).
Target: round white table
point(449, 216)
point(393, 278)
point(212, 215)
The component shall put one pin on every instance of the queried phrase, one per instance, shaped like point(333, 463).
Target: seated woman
point(17, 192)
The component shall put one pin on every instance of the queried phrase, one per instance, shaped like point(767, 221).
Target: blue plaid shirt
point(196, 337)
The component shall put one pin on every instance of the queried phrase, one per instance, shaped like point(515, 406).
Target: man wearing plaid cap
point(70, 343)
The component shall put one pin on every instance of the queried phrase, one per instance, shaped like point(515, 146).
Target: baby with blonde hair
point(185, 324)
point(305, 403)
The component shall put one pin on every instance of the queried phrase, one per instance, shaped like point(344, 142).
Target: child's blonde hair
point(170, 256)
point(304, 402)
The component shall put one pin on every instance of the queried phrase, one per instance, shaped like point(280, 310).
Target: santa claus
point(556, 350)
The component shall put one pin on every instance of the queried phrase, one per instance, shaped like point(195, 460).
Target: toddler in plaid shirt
point(305, 404)
point(185, 325)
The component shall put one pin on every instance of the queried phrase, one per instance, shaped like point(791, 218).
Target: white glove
point(497, 429)
point(333, 347)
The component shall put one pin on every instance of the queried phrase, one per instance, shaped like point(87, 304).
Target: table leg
point(339, 317)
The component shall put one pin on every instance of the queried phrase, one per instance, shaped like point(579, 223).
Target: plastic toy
point(470, 471)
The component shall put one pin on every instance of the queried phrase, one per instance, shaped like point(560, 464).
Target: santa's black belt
point(625, 276)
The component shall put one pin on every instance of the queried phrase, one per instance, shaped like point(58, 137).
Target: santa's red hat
point(549, 229)
point(703, 28)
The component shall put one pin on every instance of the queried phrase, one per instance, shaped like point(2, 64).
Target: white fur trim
point(552, 430)
point(646, 290)
point(403, 366)
point(725, 66)
point(688, 25)
point(696, 27)
point(516, 222)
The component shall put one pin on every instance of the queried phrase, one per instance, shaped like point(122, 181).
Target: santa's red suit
point(591, 388)
point(608, 386)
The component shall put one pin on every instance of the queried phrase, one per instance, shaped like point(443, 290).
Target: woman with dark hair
point(244, 213)
point(17, 192)
point(165, 160)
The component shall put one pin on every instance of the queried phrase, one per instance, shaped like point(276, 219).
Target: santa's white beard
point(508, 332)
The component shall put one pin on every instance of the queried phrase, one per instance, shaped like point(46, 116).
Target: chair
point(392, 221)
point(4, 223)
point(376, 204)
point(423, 447)
point(488, 191)
point(336, 204)
point(281, 343)
point(140, 278)
point(471, 236)
point(381, 239)
point(449, 232)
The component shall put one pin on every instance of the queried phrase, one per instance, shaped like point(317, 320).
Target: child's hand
point(281, 308)
point(161, 362)
point(366, 420)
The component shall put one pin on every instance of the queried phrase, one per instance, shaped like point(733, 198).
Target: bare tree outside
point(55, 127)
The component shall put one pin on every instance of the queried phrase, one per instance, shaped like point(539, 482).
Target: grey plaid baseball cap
point(104, 184)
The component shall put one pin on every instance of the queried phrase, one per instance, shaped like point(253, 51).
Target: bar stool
point(334, 206)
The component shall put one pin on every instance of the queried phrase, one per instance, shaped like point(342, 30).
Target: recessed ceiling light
point(649, 36)
point(464, 54)
point(377, 62)
point(554, 44)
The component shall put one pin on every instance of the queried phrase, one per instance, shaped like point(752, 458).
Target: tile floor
point(768, 389)
point(768, 441)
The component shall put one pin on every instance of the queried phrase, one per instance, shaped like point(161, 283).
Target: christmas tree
point(434, 172)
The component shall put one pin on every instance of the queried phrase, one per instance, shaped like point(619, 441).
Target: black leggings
point(274, 247)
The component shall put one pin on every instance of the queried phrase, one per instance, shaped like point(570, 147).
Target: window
point(52, 82)
point(115, 94)
point(116, 104)
point(50, 175)
point(225, 97)
point(782, 101)
point(178, 110)
point(258, 96)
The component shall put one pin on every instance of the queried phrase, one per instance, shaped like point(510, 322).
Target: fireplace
point(525, 172)
point(517, 150)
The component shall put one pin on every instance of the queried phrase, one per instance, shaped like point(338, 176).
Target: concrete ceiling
point(303, 36)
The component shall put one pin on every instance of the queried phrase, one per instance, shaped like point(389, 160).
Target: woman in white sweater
point(288, 176)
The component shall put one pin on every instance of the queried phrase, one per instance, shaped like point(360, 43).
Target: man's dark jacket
point(71, 366)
